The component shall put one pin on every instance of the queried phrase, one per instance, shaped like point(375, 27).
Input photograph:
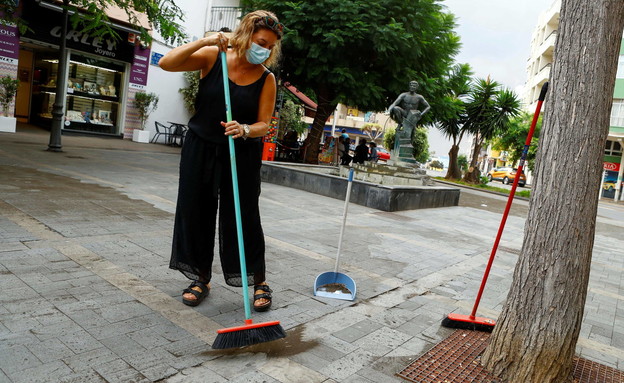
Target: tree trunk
point(453, 172)
point(536, 335)
point(325, 108)
point(473, 173)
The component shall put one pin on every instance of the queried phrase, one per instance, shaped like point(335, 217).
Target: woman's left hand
point(233, 128)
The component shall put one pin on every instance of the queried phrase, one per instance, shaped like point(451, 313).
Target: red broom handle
point(525, 151)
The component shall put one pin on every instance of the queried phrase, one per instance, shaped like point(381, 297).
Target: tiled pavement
point(86, 295)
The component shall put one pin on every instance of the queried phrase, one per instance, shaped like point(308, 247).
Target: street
point(86, 295)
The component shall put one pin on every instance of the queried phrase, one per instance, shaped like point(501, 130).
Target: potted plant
point(145, 104)
point(8, 90)
point(189, 94)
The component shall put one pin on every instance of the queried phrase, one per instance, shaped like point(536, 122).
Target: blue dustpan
point(335, 285)
point(332, 284)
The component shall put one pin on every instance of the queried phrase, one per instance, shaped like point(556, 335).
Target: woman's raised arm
point(196, 55)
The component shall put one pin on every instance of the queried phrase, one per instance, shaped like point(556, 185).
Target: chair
point(162, 130)
point(177, 131)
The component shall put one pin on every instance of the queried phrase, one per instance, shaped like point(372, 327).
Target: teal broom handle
point(237, 211)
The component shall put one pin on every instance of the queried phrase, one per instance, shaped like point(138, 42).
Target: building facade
point(99, 72)
point(538, 72)
point(102, 75)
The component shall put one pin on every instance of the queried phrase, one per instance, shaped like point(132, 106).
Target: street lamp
point(61, 84)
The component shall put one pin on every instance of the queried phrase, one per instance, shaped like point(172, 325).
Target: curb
point(479, 189)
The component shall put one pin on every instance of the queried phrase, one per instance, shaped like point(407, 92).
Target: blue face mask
point(256, 54)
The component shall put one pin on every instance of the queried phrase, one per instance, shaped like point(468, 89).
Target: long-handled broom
point(473, 322)
point(250, 333)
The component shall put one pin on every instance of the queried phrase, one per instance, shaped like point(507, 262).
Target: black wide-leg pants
point(205, 187)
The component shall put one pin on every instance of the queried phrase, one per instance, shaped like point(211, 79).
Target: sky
point(496, 41)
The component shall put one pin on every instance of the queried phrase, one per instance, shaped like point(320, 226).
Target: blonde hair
point(241, 39)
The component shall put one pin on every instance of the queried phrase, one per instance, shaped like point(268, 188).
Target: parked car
point(506, 175)
point(609, 185)
point(383, 154)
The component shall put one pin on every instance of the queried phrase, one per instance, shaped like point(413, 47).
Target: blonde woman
point(205, 180)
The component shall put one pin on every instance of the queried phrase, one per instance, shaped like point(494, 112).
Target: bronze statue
point(406, 110)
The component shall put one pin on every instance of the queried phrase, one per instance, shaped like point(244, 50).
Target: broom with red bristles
point(250, 333)
point(473, 322)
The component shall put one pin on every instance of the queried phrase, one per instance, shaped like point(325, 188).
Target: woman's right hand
point(220, 40)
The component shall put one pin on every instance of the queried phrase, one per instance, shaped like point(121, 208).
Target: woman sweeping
point(205, 182)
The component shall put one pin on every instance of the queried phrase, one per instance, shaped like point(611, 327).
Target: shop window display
point(92, 98)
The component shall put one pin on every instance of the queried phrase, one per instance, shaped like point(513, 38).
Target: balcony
point(548, 45)
point(552, 15)
point(543, 75)
point(224, 17)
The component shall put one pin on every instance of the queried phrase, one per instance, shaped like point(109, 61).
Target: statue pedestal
point(403, 150)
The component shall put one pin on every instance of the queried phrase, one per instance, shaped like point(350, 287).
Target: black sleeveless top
point(210, 104)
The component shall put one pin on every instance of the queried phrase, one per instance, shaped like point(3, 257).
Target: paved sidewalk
point(86, 294)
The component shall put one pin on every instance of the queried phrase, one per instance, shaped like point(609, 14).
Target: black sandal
point(266, 295)
point(199, 295)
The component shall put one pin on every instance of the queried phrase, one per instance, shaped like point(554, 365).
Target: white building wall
point(166, 84)
point(541, 57)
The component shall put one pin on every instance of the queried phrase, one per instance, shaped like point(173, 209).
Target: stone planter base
point(382, 197)
point(7, 124)
point(142, 136)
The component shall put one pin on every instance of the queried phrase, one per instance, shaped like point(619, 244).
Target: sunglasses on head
point(272, 24)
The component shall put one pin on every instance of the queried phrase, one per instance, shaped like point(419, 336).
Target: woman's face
point(266, 38)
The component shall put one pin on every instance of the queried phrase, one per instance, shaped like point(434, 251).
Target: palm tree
point(488, 112)
point(453, 113)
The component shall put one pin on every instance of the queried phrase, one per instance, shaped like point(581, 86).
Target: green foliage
point(145, 103)
point(436, 164)
point(291, 118)
point(189, 94)
point(421, 145)
point(89, 16)
point(488, 112)
point(372, 130)
point(514, 139)
point(462, 161)
point(483, 180)
point(363, 53)
point(389, 136)
point(9, 16)
point(8, 90)
point(452, 114)
point(489, 109)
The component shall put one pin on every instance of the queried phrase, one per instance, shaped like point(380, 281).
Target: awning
point(307, 102)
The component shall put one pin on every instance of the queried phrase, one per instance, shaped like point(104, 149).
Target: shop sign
point(9, 44)
point(156, 58)
point(611, 166)
point(47, 26)
point(140, 66)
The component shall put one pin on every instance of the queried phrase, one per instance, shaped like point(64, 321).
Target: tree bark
point(473, 173)
point(453, 172)
point(325, 108)
point(536, 335)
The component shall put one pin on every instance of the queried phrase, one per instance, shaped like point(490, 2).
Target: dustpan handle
point(237, 210)
point(344, 218)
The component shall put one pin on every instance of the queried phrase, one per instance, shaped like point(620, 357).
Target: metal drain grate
point(456, 360)
point(588, 371)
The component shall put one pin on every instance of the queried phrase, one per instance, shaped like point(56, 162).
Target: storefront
point(94, 89)
point(99, 75)
point(612, 185)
